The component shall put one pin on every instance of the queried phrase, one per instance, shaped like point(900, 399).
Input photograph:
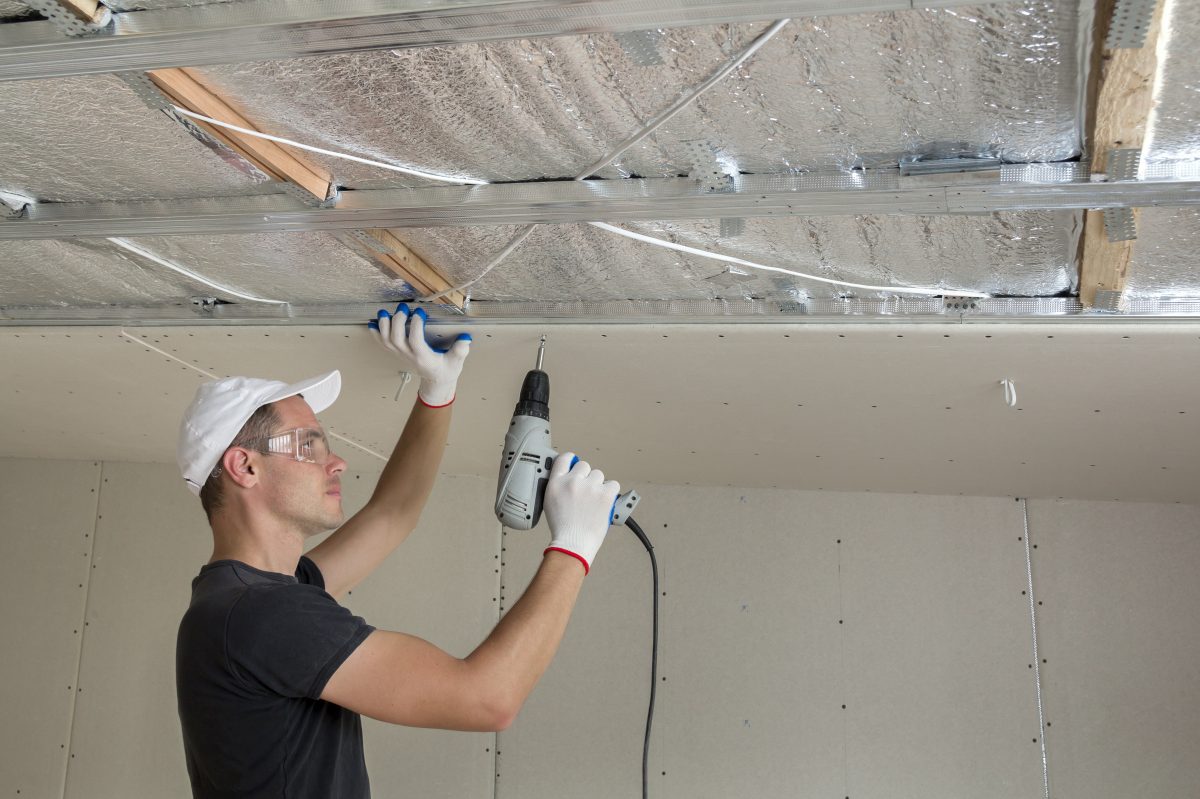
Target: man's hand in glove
point(404, 334)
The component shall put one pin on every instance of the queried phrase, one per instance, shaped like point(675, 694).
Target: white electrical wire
point(211, 376)
point(125, 244)
point(415, 172)
point(610, 156)
point(516, 242)
point(740, 262)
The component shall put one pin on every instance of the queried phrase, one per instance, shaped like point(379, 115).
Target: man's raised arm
point(361, 544)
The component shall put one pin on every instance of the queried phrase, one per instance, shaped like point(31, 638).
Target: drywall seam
point(83, 631)
point(1037, 671)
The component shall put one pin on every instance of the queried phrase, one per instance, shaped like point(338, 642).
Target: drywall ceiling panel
point(90, 138)
point(73, 274)
point(43, 593)
point(935, 646)
point(1164, 262)
point(1174, 131)
point(1107, 412)
point(827, 92)
point(1117, 596)
point(140, 589)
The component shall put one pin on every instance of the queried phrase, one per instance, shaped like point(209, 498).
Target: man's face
point(308, 495)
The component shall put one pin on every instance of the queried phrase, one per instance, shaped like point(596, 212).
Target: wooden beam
point(90, 11)
point(414, 269)
point(187, 89)
point(1120, 100)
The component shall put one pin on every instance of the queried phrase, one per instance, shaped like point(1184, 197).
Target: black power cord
point(632, 525)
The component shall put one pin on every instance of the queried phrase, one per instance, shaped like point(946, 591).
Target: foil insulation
point(1174, 133)
point(1164, 261)
point(826, 92)
point(11, 8)
point(294, 267)
point(1028, 253)
point(307, 268)
point(152, 5)
point(90, 138)
point(66, 274)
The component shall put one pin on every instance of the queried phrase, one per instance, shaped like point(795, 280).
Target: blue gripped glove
point(404, 334)
point(579, 506)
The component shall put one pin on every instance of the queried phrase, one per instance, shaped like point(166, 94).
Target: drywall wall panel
point(939, 696)
point(580, 733)
point(922, 691)
point(153, 538)
point(750, 637)
point(48, 512)
point(442, 585)
point(1117, 600)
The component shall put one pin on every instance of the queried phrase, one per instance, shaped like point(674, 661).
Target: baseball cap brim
point(319, 392)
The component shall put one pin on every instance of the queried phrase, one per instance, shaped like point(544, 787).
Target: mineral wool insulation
point(825, 94)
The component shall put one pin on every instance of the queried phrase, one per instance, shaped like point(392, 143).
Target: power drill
point(528, 456)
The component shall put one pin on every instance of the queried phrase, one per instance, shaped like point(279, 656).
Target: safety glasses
point(306, 444)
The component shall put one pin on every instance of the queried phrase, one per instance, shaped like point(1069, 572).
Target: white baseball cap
point(221, 407)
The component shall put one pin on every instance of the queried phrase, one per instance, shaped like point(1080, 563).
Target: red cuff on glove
point(579, 558)
point(435, 407)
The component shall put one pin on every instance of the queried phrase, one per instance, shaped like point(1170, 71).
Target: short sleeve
point(289, 639)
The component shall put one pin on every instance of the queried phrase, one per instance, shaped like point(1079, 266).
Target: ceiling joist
point(1122, 96)
point(187, 89)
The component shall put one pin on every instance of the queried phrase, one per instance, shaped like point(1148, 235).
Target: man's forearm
point(513, 658)
point(411, 471)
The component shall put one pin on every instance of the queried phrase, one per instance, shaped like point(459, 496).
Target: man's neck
point(273, 551)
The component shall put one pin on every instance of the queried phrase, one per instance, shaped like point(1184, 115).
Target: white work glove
point(438, 369)
point(579, 507)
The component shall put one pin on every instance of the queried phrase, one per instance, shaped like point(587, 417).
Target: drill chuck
point(535, 396)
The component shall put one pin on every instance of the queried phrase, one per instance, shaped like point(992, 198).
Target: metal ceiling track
point(222, 33)
point(881, 191)
point(848, 311)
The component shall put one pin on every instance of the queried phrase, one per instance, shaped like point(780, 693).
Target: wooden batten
point(408, 265)
point(1121, 98)
point(187, 89)
point(90, 11)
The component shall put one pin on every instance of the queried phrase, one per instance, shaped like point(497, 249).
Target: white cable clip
point(1010, 392)
point(405, 379)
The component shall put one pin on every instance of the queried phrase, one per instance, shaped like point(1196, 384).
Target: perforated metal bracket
point(69, 21)
point(954, 303)
point(1109, 301)
point(641, 47)
point(1124, 164)
point(1129, 24)
point(1119, 224)
point(706, 167)
point(732, 227)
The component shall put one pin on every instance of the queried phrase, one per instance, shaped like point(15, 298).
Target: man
point(272, 673)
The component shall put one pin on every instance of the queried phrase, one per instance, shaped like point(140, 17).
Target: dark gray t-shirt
point(254, 652)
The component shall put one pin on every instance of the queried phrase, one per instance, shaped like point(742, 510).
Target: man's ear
point(240, 466)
